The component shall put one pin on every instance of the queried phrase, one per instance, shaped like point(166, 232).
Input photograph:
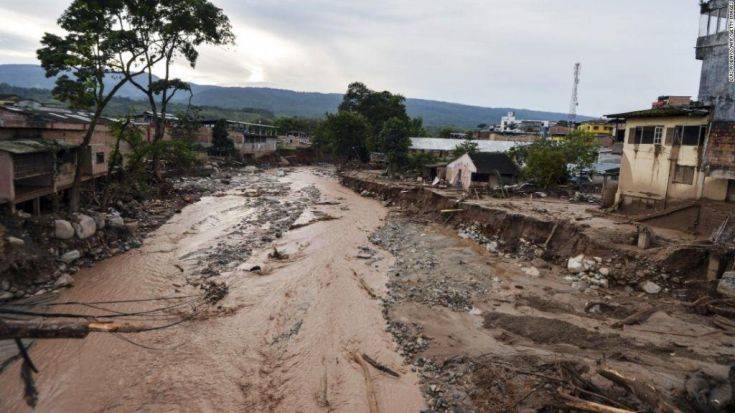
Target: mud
point(281, 339)
point(508, 341)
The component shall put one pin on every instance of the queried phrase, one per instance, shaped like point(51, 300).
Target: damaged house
point(38, 151)
point(491, 169)
point(681, 150)
point(252, 140)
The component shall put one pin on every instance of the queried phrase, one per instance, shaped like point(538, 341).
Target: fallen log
point(636, 318)
point(588, 406)
point(381, 367)
point(644, 392)
point(64, 329)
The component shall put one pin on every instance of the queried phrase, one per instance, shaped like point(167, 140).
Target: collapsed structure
point(40, 146)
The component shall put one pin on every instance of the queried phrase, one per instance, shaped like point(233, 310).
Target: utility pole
point(575, 95)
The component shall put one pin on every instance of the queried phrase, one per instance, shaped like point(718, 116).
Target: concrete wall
point(714, 87)
point(646, 170)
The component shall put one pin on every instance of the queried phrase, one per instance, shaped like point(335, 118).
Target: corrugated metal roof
point(439, 144)
point(666, 111)
point(25, 146)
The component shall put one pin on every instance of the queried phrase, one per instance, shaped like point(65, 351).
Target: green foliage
point(377, 107)
point(222, 145)
point(344, 135)
point(446, 132)
point(296, 124)
point(394, 142)
point(467, 146)
point(417, 161)
point(550, 163)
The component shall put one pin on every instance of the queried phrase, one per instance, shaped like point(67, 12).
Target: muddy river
point(285, 338)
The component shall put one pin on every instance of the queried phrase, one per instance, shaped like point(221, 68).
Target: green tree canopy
point(394, 142)
point(344, 135)
point(467, 146)
point(377, 107)
point(222, 145)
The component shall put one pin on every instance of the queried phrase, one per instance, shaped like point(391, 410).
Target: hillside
point(291, 103)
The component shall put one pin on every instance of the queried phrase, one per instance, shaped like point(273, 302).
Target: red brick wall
point(721, 146)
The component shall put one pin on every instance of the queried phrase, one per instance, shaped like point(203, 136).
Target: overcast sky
point(515, 53)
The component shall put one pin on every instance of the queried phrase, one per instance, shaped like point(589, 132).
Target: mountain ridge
point(284, 102)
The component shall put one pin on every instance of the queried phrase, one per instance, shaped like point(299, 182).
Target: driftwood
point(644, 392)
point(588, 406)
point(381, 367)
point(636, 318)
point(63, 329)
point(551, 235)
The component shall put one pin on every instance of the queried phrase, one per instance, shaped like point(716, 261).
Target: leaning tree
point(89, 61)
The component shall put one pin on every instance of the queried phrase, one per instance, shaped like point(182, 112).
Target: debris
point(214, 291)
point(726, 285)
point(650, 287)
point(380, 366)
point(85, 226)
point(65, 280)
point(576, 264)
point(70, 256)
point(588, 406)
point(532, 271)
point(63, 229)
point(644, 392)
point(637, 317)
point(15, 242)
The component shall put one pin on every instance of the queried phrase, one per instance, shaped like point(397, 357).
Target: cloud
point(486, 52)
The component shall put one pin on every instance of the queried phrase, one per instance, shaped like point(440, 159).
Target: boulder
point(15, 242)
point(85, 226)
point(63, 229)
point(650, 287)
point(116, 221)
point(576, 264)
point(65, 280)
point(99, 219)
point(726, 286)
point(70, 256)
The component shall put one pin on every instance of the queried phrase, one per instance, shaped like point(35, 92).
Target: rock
point(540, 194)
point(726, 286)
point(604, 271)
point(132, 226)
point(532, 271)
point(576, 264)
point(16, 242)
point(65, 280)
point(85, 226)
point(63, 229)
point(99, 219)
point(6, 296)
point(70, 256)
point(650, 287)
point(116, 221)
point(4, 285)
point(23, 215)
point(539, 263)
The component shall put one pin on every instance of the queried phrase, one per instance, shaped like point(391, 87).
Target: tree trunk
point(157, 137)
point(74, 199)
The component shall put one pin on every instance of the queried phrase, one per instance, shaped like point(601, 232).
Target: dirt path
point(285, 340)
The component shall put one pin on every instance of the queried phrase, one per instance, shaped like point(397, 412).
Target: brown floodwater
point(283, 341)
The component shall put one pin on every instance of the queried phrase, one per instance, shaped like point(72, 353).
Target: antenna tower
point(575, 94)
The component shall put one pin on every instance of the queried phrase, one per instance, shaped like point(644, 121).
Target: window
point(658, 134)
point(646, 134)
point(684, 175)
point(690, 135)
point(633, 136)
point(596, 128)
point(99, 158)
